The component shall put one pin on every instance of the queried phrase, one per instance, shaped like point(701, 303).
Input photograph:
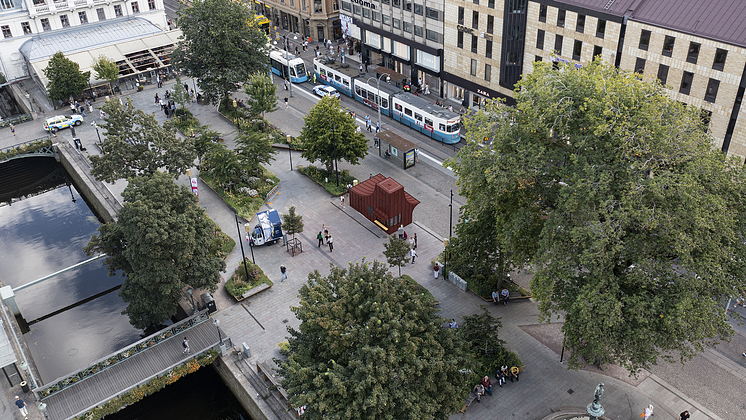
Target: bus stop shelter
point(396, 148)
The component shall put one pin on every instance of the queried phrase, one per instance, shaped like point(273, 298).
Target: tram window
point(442, 127)
point(453, 128)
point(337, 78)
point(429, 122)
point(418, 117)
point(384, 102)
point(292, 72)
point(346, 83)
point(397, 107)
point(361, 92)
point(315, 67)
point(408, 112)
point(323, 72)
point(300, 69)
point(372, 97)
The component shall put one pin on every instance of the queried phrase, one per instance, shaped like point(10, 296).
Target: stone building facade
point(315, 19)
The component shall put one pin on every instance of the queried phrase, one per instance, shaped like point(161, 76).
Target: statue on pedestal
point(594, 409)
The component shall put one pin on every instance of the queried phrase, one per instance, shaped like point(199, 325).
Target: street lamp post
point(290, 152)
point(93, 123)
point(28, 98)
point(235, 114)
point(190, 290)
point(295, 37)
point(334, 141)
point(378, 96)
point(216, 323)
point(240, 240)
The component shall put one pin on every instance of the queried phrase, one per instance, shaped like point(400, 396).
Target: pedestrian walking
point(13, 130)
point(401, 231)
point(284, 273)
point(415, 240)
point(378, 127)
point(90, 106)
point(436, 269)
point(320, 237)
point(411, 242)
point(330, 241)
point(375, 139)
point(286, 84)
point(21, 404)
point(314, 78)
point(361, 68)
point(416, 154)
point(186, 87)
point(158, 78)
point(156, 99)
point(185, 344)
point(342, 199)
point(413, 253)
point(286, 102)
point(648, 412)
point(684, 415)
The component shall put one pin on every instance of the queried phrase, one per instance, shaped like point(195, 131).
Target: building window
point(491, 4)
point(640, 65)
point(662, 73)
point(101, 14)
point(303, 4)
point(26, 28)
point(488, 49)
point(644, 40)
point(475, 19)
point(6, 31)
point(397, 3)
point(357, 9)
point(712, 90)
point(693, 54)
point(561, 15)
point(347, 7)
point(407, 27)
point(432, 35)
point(408, 6)
point(65, 21)
point(432, 13)
point(475, 2)
point(135, 8)
point(151, 4)
point(335, 5)
point(540, 40)
point(558, 44)
point(719, 62)
point(487, 72)
point(460, 40)
point(490, 24)
point(577, 48)
point(376, 16)
point(366, 13)
point(686, 83)
point(417, 30)
point(580, 27)
point(538, 58)
point(597, 51)
point(601, 28)
point(45, 25)
point(474, 40)
point(460, 15)
point(7, 4)
point(473, 67)
point(118, 10)
point(418, 9)
point(396, 23)
point(83, 18)
point(668, 43)
point(542, 13)
point(386, 19)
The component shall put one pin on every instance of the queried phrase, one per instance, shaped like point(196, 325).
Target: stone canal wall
point(239, 385)
point(98, 196)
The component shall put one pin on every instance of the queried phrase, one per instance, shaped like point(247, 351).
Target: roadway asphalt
point(709, 387)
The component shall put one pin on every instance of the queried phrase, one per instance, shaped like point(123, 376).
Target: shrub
point(238, 284)
point(328, 179)
point(422, 290)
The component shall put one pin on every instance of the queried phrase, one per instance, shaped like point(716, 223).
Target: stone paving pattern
point(711, 382)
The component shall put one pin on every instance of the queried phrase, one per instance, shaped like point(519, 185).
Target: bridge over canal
point(131, 366)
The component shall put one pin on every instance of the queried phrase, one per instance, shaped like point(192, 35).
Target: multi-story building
point(133, 33)
point(697, 52)
point(405, 36)
point(315, 19)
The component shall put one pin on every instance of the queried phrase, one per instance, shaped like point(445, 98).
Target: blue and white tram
point(279, 66)
point(339, 75)
point(431, 120)
point(368, 94)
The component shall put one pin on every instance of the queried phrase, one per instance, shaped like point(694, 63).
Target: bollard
point(246, 350)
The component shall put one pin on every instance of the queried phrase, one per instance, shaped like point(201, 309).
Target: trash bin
point(25, 387)
point(208, 302)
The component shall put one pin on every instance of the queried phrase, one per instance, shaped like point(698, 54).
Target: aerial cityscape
point(278, 209)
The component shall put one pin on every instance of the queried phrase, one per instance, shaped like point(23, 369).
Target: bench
point(513, 296)
point(269, 374)
point(469, 399)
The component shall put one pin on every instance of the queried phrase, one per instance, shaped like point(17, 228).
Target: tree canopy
point(219, 46)
point(136, 144)
point(65, 78)
point(255, 150)
point(370, 346)
point(328, 131)
point(396, 252)
point(261, 94)
point(292, 222)
point(612, 191)
point(162, 243)
point(106, 69)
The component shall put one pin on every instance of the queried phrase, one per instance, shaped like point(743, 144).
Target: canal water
point(44, 232)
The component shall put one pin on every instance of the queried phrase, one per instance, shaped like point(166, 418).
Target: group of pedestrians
point(325, 237)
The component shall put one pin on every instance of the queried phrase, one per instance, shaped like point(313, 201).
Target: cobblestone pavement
point(711, 383)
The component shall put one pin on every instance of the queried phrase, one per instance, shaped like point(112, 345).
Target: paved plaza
point(262, 320)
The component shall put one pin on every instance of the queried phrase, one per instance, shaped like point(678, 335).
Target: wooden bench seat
point(270, 375)
point(467, 402)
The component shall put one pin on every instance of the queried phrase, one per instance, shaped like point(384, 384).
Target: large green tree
point(162, 243)
point(219, 47)
point(261, 94)
point(136, 144)
point(396, 252)
point(370, 346)
point(255, 149)
point(613, 192)
point(106, 69)
point(65, 78)
point(330, 131)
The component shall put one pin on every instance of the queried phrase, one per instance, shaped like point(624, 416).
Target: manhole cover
point(285, 321)
point(570, 391)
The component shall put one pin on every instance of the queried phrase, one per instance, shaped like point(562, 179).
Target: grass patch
point(327, 179)
point(220, 243)
point(245, 204)
point(238, 284)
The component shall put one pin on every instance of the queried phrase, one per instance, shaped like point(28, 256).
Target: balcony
point(45, 7)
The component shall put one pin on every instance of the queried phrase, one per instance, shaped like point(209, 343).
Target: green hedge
point(327, 179)
point(245, 205)
point(237, 285)
point(26, 148)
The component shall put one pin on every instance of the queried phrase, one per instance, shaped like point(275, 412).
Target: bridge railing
point(120, 356)
point(20, 147)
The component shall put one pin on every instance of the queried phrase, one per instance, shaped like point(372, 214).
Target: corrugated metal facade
point(383, 201)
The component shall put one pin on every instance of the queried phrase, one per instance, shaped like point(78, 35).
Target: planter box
point(251, 292)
